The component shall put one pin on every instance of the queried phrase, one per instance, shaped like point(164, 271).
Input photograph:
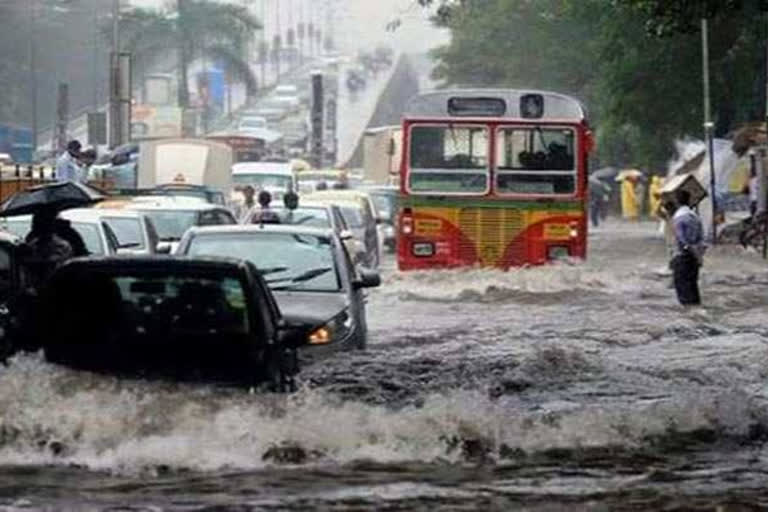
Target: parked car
point(360, 214)
point(98, 236)
point(167, 317)
point(309, 271)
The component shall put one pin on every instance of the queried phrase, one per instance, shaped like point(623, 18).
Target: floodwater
point(569, 387)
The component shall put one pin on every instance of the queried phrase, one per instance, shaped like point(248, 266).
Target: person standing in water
point(688, 250)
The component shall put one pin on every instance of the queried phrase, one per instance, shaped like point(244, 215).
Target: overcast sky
point(357, 24)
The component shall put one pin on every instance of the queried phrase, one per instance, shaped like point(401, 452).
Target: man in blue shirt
point(688, 250)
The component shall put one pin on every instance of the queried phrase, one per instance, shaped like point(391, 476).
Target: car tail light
point(406, 222)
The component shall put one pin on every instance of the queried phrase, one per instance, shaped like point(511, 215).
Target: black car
point(206, 319)
point(309, 270)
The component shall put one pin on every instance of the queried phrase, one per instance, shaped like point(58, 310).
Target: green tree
point(637, 67)
point(196, 29)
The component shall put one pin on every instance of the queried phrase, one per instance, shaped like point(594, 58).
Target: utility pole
point(115, 124)
point(709, 126)
point(33, 70)
point(278, 39)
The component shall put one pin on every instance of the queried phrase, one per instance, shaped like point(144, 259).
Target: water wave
point(52, 415)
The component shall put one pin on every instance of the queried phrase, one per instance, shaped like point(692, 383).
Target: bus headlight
point(423, 249)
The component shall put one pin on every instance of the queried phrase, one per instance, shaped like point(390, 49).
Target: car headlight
point(338, 328)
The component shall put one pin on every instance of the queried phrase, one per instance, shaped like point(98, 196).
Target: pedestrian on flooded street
point(68, 164)
point(688, 251)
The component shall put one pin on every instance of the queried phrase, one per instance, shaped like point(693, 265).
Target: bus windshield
point(535, 160)
point(451, 159)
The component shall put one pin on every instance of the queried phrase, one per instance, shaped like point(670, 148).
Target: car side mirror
point(346, 235)
point(163, 248)
point(368, 279)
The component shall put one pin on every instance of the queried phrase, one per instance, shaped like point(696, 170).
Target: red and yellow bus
point(492, 178)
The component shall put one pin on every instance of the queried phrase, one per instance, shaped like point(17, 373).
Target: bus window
point(535, 160)
point(449, 159)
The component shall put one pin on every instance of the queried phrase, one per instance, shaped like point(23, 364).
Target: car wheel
point(361, 338)
point(280, 367)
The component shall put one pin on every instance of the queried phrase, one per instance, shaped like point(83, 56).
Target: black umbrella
point(55, 196)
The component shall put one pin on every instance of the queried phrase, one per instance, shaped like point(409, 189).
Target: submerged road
point(580, 386)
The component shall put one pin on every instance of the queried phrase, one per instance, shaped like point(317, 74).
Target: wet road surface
point(579, 387)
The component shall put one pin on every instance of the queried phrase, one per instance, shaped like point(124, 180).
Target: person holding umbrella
point(50, 242)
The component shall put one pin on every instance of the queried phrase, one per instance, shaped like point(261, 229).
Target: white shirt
point(67, 168)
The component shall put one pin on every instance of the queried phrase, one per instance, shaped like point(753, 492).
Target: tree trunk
point(183, 56)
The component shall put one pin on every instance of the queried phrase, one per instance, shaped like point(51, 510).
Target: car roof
point(290, 229)
point(284, 168)
point(345, 203)
point(174, 206)
point(114, 212)
point(85, 215)
point(170, 203)
point(126, 262)
point(346, 194)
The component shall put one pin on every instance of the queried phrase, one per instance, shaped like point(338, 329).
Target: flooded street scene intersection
point(392, 255)
point(581, 385)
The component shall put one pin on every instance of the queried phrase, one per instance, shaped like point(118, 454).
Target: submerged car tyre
point(280, 368)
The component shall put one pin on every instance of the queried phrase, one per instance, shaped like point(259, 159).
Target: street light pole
point(708, 124)
point(115, 126)
point(33, 70)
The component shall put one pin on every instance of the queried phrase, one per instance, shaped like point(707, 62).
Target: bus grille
point(487, 233)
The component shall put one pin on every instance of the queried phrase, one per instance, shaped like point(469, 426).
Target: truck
point(195, 162)
point(382, 151)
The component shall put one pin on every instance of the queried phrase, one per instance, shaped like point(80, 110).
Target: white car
point(98, 237)
point(275, 177)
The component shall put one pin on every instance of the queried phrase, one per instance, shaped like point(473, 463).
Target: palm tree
point(196, 29)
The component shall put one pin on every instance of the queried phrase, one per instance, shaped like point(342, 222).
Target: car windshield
point(259, 179)
point(352, 216)
point(288, 261)
point(127, 230)
point(171, 224)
